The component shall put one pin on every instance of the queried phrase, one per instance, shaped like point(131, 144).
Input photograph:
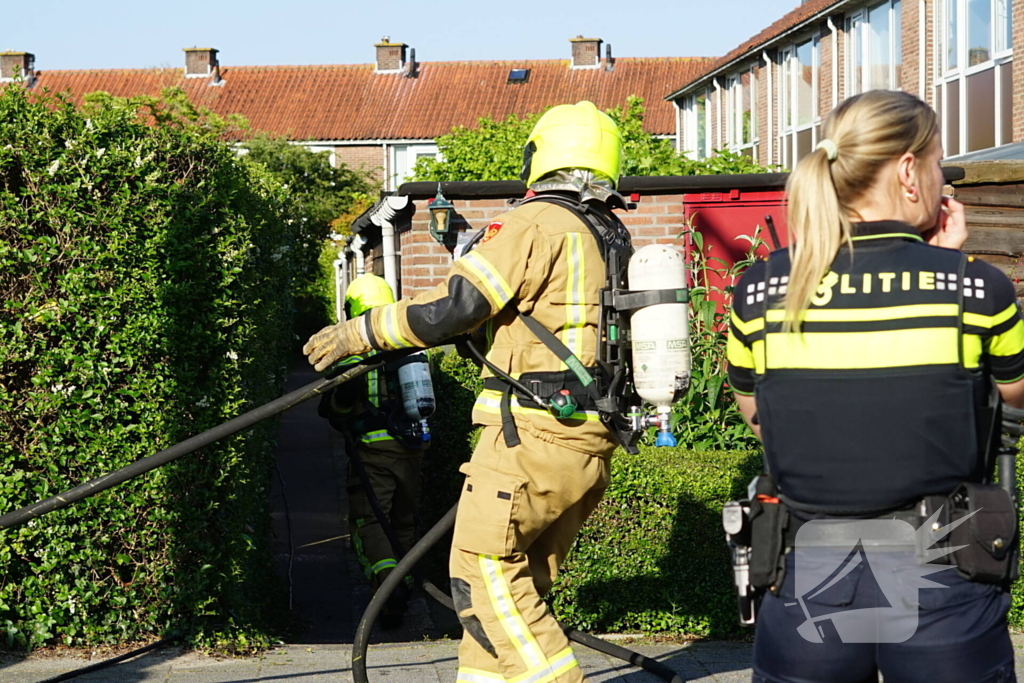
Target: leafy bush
point(652, 556)
point(494, 151)
point(145, 299)
point(320, 194)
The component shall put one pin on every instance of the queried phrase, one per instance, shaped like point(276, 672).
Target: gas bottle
point(417, 390)
point(660, 334)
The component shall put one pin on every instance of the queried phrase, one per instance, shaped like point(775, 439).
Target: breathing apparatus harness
point(609, 387)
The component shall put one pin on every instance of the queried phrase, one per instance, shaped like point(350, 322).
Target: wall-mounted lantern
point(441, 211)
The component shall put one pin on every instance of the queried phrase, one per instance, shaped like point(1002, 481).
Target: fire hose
point(245, 421)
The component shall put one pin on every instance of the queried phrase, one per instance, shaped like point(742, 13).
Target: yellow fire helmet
point(366, 292)
point(573, 136)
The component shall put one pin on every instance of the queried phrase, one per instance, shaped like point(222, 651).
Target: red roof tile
point(351, 102)
point(791, 20)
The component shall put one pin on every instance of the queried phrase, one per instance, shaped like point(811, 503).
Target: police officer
point(533, 478)
point(864, 359)
point(369, 409)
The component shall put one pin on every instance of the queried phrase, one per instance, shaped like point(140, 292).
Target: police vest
point(882, 399)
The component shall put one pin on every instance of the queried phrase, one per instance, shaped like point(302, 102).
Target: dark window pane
point(981, 114)
point(1006, 97)
point(803, 144)
point(952, 118)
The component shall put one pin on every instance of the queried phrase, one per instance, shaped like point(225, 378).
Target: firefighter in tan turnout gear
point(538, 470)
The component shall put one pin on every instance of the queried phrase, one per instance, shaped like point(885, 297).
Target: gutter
point(763, 46)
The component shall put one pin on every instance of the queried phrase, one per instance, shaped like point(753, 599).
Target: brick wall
point(910, 74)
point(762, 113)
point(824, 71)
point(424, 262)
point(362, 157)
point(1018, 71)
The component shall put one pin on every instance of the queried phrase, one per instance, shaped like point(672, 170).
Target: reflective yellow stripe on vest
point(560, 663)
point(375, 436)
point(467, 675)
point(575, 310)
point(492, 280)
point(489, 401)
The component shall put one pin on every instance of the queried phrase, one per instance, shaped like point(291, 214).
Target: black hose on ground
point(190, 445)
point(373, 610)
point(110, 662)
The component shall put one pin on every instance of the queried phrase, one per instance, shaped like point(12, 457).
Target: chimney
point(586, 52)
point(390, 56)
point(201, 62)
point(609, 61)
point(22, 64)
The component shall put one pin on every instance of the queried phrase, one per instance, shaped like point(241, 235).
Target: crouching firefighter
point(383, 415)
point(547, 283)
point(871, 359)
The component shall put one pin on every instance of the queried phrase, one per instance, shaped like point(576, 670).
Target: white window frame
point(998, 60)
point(734, 112)
point(858, 43)
point(787, 100)
point(402, 158)
point(691, 126)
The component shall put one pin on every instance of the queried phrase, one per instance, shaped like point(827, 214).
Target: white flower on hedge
point(53, 167)
point(137, 162)
point(231, 355)
point(69, 143)
point(203, 403)
point(100, 152)
point(88, 124)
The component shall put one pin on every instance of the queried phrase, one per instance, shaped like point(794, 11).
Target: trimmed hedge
point(145, 298)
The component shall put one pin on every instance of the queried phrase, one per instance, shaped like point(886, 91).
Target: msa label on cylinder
point(645, 346)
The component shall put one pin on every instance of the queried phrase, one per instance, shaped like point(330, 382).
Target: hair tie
point(831, 149)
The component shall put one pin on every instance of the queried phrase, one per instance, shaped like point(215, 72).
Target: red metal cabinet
point(723, 217)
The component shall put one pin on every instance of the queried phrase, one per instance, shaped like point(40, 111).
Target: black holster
point(988, 532)
point(769, 520)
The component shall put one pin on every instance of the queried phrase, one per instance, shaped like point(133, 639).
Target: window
point(741, 112)
point(875, 48)
point(403, 159)
point(974, 93)
point(695, 126)
point(798, 101)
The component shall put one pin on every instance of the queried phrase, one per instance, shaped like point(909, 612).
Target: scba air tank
point(660, 333)
point(417, 390)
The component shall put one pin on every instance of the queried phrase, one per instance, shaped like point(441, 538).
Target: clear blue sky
point(106, 34)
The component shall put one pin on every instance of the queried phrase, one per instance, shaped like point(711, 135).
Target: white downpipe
point(383, 216)
point(719, 120)
point(770, 107)
point(340, 271)
point(679, 126)
point(356, 248)
point(835, 61)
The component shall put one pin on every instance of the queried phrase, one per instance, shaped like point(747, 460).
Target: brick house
point(383, 116)
point(767, 98)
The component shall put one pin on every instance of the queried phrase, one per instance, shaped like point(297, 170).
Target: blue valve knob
point(666, 439)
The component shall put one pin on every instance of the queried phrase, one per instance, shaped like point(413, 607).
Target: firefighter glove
point(335, 342)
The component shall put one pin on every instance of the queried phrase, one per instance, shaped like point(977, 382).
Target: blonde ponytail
point(866, 132)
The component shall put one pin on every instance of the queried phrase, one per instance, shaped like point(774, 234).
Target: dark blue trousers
point(959, 631)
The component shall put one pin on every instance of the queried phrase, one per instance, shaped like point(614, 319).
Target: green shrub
point(652, 557)
point(145, 299)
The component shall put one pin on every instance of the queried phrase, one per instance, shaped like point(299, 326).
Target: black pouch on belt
point(769, 519)
point(989, 537)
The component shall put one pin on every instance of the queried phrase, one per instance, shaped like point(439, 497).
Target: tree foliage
point(323, 198)
point(493, 150)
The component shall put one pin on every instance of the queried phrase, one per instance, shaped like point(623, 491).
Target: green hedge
point(144, 299)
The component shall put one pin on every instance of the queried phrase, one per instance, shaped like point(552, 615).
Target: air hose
point(415, 554)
